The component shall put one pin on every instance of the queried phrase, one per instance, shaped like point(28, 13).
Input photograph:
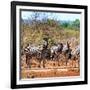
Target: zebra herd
point(55, 53)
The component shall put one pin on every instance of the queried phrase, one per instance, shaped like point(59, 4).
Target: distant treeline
point(71, 24)
point(43, 18)
point(54, 23)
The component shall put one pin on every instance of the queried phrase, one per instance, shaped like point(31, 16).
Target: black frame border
point(13, 44)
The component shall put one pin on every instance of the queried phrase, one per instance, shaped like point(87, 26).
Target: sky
point(52, 15)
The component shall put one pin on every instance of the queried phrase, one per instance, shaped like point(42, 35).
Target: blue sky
point(52, 15)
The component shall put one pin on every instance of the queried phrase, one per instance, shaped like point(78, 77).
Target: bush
point(54, 34)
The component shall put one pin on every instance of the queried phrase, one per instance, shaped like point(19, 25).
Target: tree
point(34, 19)
point(76, 24)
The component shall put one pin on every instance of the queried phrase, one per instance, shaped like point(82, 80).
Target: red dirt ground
point(51, 69)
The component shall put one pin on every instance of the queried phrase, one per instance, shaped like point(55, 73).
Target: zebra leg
point(44, 63)
point(58, 57)
point(39, 63)
point(28, 60)
point(66, 62)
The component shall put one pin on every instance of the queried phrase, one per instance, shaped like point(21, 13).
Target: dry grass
point(35, 36)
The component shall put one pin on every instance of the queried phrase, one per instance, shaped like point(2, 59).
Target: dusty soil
point(51, 69)
point(38, 73)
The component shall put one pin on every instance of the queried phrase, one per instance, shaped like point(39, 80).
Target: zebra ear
point(68, 44)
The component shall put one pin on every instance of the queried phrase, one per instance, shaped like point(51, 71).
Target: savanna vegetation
point(39, 26)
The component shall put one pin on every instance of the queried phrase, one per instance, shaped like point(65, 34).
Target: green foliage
point(65, 25)
point(76, 24)
point(71, 25)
